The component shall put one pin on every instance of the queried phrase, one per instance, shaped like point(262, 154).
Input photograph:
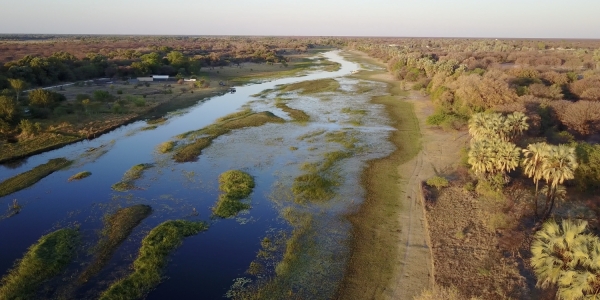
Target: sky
point(401, 18)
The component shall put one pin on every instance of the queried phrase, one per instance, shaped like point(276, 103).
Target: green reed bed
point(44, 260)
point(237, 186)
point(80, 175)
point(130, 176)
point(152, 258)
point(200, 139)
point(29, 178)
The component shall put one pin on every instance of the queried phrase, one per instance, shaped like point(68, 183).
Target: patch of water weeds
point(130, 176)
point(44, 260)
point(237, 186)
point(152, 259)
point(200, 139)
point(29, 178)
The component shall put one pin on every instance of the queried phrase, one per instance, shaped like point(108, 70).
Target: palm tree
point(516, 123)
point(557, 248)
point(480, 157)
point(567, 257)
point(558, 167)
point(477, 125)
point(535, 155)
point(507, 156)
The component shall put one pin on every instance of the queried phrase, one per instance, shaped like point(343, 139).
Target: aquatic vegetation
point(235, 115)
point(156, 121)
point(311, 134)
point(152, 258)
point(166, 147)
point(29, 178)
point(318, 183)
point(151, 127)
point(292, 148)
point(45, 259)
point(130, 176)
point(296, 114)
point(80, 175)
point(203, 138)
point(236, 185)
point(313, 86)
point(349, 110)
point(117, 227)
point(345, 138)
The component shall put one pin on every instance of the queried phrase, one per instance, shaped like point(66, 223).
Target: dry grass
point(296, 114)
point(29, 178)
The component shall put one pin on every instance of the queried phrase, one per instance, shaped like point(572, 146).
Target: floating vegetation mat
point(80, 175)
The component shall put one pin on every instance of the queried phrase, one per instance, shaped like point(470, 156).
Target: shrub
point(102, 96)
point(437, 182)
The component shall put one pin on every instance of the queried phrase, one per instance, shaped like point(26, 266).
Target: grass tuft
point(44, 260)
point(29, 178)
point(152, 258)
point(80, 175)
point(236, 185)
point(296, 114)
point(129, 177)
point(166, 147)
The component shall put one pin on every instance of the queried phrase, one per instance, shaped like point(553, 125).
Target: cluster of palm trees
point(493, 152)
point(553, 164)
point(565, 256)
point(492, 149)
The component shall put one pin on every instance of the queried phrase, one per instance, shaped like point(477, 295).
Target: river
point(206, 265)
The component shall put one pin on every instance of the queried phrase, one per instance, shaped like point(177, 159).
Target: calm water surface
point(205, 266)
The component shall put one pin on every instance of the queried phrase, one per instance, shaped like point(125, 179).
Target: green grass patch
point(130, 176)
point(152, 258)
point(156, 121)
point(318, 183)
point(80, 175)
point(235, 115)
point(44, 260)
point(345, 138)
point(236, 185)
point(38, 144)
point(311, 134)
point(117, 227)
point(203, 138)
point(296, 114)
point(351, 111)
point(29, 178)
point(166, 147)
point(313, 86)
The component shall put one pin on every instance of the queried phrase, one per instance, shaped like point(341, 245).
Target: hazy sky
point(432, 18)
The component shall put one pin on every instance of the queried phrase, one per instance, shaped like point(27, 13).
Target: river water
point(206, 265)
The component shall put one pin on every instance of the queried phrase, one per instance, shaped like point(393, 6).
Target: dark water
point(205, 266)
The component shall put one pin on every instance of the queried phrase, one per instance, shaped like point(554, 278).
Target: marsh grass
point(345, 138)
point(311, 134)
point(130, 176)
point(202, 138)
point(156, 121)
point(29, 178)
point(376, 224)
point(43, 260)
point(166, 147)
point(80, 175)
point(351, 111)
point(152, 258)
point(117, 227)
point(296, 114)
point(236, 185)
point(317, 184)
point(313, 86)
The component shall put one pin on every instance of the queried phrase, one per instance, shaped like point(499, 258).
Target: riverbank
point(391, 257)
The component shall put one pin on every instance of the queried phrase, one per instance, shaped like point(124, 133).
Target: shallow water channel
point(207, 265)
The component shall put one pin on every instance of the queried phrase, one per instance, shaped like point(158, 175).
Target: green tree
point(18, 86)
point(8, 109)
point(40, 97)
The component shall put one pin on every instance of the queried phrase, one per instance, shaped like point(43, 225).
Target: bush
point(102, 96)
point(587, 174)
point(437, 182)
point(120, 92)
